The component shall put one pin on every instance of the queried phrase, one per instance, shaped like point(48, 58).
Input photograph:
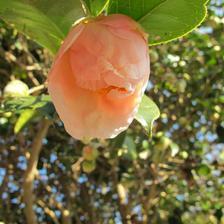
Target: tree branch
point(48, 211)
point(29, 175)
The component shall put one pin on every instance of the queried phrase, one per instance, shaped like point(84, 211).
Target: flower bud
point(16, 88)
point(99, 76)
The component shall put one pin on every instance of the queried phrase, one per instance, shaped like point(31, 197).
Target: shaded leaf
point(45, 21)
point(42, 104)
point(96, 7)
point(130, 145)
point(118, 141)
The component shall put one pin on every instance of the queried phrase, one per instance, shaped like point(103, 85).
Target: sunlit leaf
point(148, 112)
point(23, 119)
point(174, 149)
point(164, 20)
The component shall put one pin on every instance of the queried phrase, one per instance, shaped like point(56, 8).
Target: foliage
point(96, 7)
point(148, 112)
point(164, 20)
point(48, 22)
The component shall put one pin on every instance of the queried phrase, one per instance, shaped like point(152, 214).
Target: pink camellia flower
point(99, 76)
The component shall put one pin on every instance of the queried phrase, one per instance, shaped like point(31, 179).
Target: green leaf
point(117, 143)
point(23, 119)
point(148, 112)
point(42, 104)
point(96, 7)
point(164, 20)
point(45, 21)
point(61, 13)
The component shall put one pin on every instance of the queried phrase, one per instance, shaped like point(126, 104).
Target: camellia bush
point(111, 111)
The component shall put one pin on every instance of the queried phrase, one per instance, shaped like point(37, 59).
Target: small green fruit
point(171, 78)
point(181, 86)
point(183, 120)
point(88, 166)
point(154, 57)
point(7, 114)
point(163, 143)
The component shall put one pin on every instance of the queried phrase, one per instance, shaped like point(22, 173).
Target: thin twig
point(37, 88)
point(48, 211)
point(33, 79)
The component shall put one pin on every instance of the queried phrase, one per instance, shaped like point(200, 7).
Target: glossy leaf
point(164, 20)
point(61, 13)
point(148, 112)
point(45, 21)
